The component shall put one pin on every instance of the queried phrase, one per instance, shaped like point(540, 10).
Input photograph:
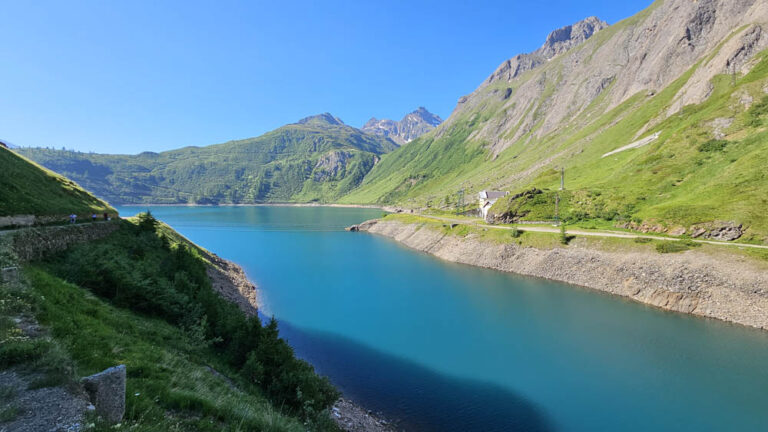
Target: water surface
point(447, 347)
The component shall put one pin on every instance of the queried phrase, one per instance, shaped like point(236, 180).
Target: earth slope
point(28, 189)
point(318, 158)
point(692, 74)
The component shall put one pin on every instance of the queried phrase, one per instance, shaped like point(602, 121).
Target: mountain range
point(402, 132)
point(658, 122)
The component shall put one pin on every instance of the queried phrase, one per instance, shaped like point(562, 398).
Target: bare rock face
point(555, 84)
point(559, 41)
point(330, 165)
point(412, 126)
point(106, 390)
point(727, 231)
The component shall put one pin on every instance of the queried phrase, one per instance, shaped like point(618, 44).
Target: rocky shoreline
point(229, 281)
point(733, 289)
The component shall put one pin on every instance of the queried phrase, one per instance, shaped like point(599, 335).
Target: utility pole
point(557, 209)
point(562, 178)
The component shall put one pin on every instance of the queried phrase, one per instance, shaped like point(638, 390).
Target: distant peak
point(324, 118)
point(412, 126)
point(423, 114)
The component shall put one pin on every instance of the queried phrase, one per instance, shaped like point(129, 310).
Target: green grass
point(143, 269)
point(676, 246)
point(169, 384)
point(30, 189)
point(40, 356)
point(684, 178)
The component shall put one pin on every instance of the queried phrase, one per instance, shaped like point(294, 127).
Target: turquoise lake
point(446, 347)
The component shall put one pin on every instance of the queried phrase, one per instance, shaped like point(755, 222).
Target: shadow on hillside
point(416, 397)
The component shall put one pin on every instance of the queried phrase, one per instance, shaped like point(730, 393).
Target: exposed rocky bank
point(734, 290)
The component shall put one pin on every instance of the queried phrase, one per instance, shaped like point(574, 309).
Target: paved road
point(588, 233)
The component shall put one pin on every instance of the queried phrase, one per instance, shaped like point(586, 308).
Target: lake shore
point(229, 280)
point(733, 290)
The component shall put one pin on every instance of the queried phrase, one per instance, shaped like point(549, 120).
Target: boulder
point(10, 275)
point(677, 231)
point(698, 232)
point(727, 232)
point(106, 390)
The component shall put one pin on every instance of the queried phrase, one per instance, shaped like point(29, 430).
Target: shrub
point(676, 246)
point(564, 239)
point(642, 240)
point(137, 268)
point(713, 146)
point(756, 112)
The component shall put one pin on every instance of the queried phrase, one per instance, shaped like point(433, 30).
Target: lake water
point(447, 347)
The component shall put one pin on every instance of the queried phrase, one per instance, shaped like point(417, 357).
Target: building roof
point(493, 194)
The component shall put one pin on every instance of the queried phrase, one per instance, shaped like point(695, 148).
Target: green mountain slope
point(30, 189)
point(142, 297)
point(317, 159)
point(691, 77)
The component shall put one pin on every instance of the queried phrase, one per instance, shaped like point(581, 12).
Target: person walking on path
point(93, 217)
point(73, 218)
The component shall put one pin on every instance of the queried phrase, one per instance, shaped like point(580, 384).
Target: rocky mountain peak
point(412, 126)
point(558, 42)
point(322, 119)
point(565, 38)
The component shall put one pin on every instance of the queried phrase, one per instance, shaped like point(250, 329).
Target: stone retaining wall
point(35, 242)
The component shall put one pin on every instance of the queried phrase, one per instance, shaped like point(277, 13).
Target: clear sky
point(130, 76)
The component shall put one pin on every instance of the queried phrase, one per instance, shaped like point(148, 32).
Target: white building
point(487, 198)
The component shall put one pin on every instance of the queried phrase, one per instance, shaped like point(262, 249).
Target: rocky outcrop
point(412, 126)
point(331, 165)
point(558, 42)
point(229, 281)
point(718, 230)
point(507, 209)
point(734, 290)
point(351, 417)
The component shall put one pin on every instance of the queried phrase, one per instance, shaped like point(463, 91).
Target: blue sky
point(131, 76)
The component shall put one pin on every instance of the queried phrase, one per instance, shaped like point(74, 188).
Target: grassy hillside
point(317, 159)
point(31, 189)
point(708, 164)
point(141, 297)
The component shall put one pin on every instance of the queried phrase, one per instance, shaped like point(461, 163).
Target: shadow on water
point(418, 398)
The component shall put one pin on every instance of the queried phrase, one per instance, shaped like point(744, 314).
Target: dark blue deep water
point(446, 347)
